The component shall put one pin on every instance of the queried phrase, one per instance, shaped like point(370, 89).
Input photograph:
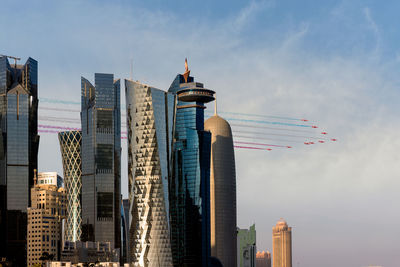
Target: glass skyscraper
point(101, 156)
point(18, 127)
point(70, 146)
point(150, 114)
point(190, 177)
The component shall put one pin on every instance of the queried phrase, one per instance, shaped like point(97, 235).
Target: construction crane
point(15, 59)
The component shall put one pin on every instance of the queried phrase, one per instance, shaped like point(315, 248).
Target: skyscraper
point(222, 191)
point(44, 222)
point(263, 259)
point(150, 114)
point(70, 146)
point(281, 245)
point(18, 127)
point(190, 179)
point(246, 245)
point(101, 156)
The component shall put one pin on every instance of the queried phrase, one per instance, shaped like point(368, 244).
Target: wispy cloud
point(374, 28)
point(249, 12)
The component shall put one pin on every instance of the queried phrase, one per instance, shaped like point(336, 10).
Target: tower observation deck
point(191, 91)
point(195, 92)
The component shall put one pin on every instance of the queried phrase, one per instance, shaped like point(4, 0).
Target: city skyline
point(336, 65)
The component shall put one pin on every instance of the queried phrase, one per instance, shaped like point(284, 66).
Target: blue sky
point(333, 62)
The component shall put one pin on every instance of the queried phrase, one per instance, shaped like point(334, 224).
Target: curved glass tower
point(150, 113)
point(70, 146)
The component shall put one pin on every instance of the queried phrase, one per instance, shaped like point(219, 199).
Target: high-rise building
point(44, 222)
point(222, 191)
point(281, 244)
point(246, 247)
point(150, 114)
point(18, 160)
point(263, 259)
point(190, 179)
point(101, 160)
point(50, 178)
point(70, 146)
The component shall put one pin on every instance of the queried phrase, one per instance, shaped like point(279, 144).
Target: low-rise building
point(89, 252)
point(263, 259)
point(246, 246)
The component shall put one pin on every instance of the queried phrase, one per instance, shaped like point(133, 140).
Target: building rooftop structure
point(49, 178)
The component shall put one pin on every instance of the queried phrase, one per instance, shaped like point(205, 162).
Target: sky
point(335, 63)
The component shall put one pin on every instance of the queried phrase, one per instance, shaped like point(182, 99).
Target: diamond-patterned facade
point(149, 118)
point(70, 146)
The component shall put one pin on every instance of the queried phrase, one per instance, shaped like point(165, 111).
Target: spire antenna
point(215, 105)
point(187, 71)
point(131, 69)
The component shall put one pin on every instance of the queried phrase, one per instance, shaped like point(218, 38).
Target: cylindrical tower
point(222, 191)
point(70, 146)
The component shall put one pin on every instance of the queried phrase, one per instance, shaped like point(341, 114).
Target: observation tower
point(190, 180)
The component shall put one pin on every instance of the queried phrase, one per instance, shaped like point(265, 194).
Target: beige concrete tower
point(44, 221)
point(222, 191)
point(281, 245)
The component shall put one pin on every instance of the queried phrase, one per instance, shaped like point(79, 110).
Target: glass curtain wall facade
point(18, 124)
point(150, 114)
point(70, 146)
point(124, 234)
point(101, 156)
point(190, 176)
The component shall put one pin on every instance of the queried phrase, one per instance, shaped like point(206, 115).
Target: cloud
point(248, 13)
point(374, 28)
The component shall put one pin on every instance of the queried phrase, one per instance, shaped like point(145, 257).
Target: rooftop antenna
point(215, 105)
point(131, 69)
point(187, 71)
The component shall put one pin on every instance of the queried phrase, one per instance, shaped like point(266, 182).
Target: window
point(104, 205)
point(104, 156)
point(104, 119)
